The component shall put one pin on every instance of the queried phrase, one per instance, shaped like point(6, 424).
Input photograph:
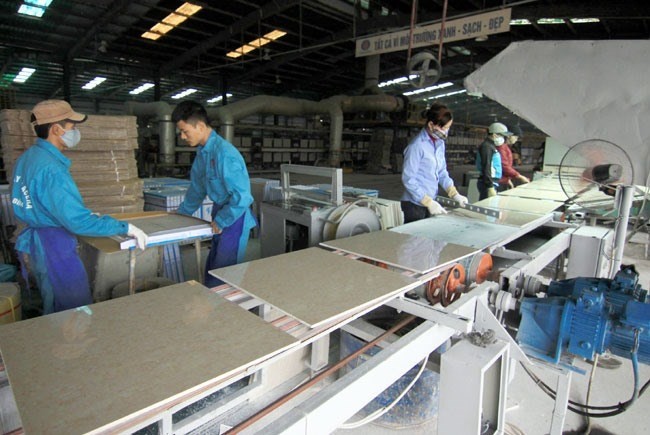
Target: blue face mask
point(71, 137)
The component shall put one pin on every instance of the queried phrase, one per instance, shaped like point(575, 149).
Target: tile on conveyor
point(314, 285)
point(524, 205)
point(98, 366)
point(406, 251)
point(461, 230)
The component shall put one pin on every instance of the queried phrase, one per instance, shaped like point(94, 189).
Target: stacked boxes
point(103, 164)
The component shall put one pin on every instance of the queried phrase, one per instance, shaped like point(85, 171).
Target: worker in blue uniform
point(218, 171)
point(46, 199)
point(425, 167)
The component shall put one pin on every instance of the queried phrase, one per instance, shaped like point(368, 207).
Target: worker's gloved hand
point(139, 236)
point(215, 228)
point(431, 205)
point(523, 179)
point(460, 199)
point(491, 192)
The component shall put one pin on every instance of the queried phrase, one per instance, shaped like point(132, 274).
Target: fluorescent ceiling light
point(449, 94)
point(172, 20)
point(429, 89)
point(461, 50)
point(32, 11)
point(151, 35)
point(584, 20)
point(184, 93)
point(94, 83)
point(550, 21)
point(256, 43)
point(34, 8)
point(219, 98)
point(520, 22)
point(140, 89)
point(24, 74)
point(393, 82)
point(161, 28)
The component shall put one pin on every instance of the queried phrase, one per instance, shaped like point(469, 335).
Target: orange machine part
point(484, 268)
point(446, 287)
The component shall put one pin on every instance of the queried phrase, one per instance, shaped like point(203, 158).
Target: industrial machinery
point(588, 316)
point(308, 215)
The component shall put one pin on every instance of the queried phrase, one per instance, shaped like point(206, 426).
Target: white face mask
point(499, 140)
point(71, 137)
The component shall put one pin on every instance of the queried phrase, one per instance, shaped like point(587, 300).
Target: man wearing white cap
point(488, 160)
point(47, 200)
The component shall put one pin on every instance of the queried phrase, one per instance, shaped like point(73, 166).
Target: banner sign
point(455, 30)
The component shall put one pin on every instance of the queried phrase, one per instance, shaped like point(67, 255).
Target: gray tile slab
point(524, 205)
point(406, 251)
point(460, 230)
point(82, 369)
point(314, 285)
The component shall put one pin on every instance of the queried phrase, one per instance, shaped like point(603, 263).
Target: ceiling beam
point(268, 10)
point(117, 7)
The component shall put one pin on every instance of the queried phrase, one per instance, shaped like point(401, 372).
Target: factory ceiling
point(312, 56)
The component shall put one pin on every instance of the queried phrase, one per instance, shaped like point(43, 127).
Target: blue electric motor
point(587, 316)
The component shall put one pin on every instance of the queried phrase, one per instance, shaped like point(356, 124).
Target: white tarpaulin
point(576, 90)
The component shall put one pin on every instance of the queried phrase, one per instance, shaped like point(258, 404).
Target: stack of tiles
point(103, 164)
point(167, 194)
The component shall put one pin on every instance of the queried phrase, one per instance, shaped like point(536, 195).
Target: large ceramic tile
point(406, 251)
point(550, 195)
point(473, 233)
point(511, 218)
point(314, 285)
point(525, 205)
point(81, 369)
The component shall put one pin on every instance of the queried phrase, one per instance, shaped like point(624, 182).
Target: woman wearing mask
point(425, 168)
point(488, 160)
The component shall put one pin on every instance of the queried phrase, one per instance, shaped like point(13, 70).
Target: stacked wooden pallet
point(103, 164)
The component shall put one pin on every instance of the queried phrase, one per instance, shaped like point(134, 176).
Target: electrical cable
point(381, 411)
point(591, 380)
point(612, 409)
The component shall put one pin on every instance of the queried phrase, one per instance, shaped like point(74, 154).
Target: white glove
point(460, 199)
point(139, 236)
point(431, 205)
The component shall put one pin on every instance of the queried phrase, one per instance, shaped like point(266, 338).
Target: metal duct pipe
point(166, 128)
point(372, 74)
point(334, 106)
point(260, 104)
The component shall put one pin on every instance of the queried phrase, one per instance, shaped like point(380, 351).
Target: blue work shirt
point(45, 195)
point(425, 168)
point(220, 173)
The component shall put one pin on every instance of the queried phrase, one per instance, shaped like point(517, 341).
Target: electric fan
point(590, 171)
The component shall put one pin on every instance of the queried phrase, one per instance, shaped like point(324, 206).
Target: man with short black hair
point(218, 171)
point(47, 200)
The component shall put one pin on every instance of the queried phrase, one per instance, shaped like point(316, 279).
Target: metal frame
point(335, 174)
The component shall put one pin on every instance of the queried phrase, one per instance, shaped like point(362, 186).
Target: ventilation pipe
point(372, 74)
point(334, 106)
point(228, 115)
point(166, 128)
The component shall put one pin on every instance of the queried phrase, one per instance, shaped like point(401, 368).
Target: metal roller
point(447, 287)
point(478, 268)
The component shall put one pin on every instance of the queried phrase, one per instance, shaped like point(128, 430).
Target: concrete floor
point(529, 409)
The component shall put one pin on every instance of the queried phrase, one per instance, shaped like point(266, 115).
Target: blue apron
point(227, 248)
point(59, 272)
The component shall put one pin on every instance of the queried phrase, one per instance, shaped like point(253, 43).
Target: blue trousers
point(59, 272)
point(226, 249)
